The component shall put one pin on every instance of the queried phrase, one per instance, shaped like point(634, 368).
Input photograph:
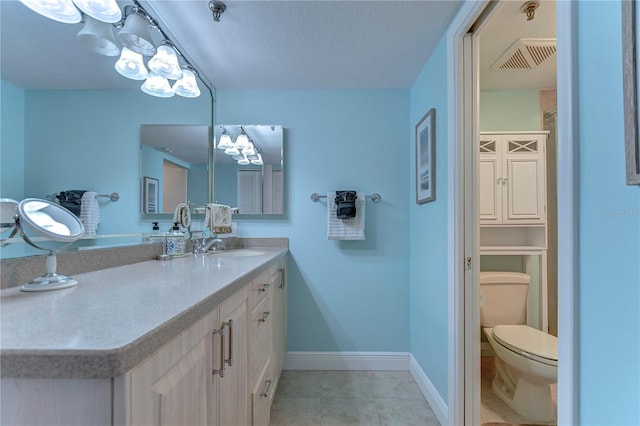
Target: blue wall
point(12, 141)
point(428, 230)
point(609, 229)
point(343, 295)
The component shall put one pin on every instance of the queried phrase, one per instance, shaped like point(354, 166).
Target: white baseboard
point(429, 391)
point(397, 361)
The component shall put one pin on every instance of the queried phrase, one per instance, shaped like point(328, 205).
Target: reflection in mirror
point(251, 181)
point(178, 157)
point(71, 122)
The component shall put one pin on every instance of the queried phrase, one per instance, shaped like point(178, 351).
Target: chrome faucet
point(204, 245)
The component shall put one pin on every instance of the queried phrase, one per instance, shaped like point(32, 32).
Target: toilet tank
point(503, 298)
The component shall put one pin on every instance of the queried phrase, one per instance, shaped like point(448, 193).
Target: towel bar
point(375, 197)
point(114, 196)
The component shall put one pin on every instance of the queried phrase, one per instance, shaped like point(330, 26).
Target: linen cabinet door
point(526, 180)
point(491, 180)
point(233, 387)
point(175, 385)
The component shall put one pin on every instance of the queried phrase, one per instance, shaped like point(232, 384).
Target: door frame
point(462, 401)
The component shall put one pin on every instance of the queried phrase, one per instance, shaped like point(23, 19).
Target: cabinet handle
point(230, 325)
point(504, 180)
point(264, 287)
point(499, 180)
point(267, 388)
point(221, 332)
point(281, 270)
point(265, 315)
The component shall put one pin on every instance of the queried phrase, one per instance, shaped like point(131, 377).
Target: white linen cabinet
point(512, 175)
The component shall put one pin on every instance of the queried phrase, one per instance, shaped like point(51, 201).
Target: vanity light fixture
point(98, 37)
point(245, 161)
point(242, 141)
point(157, 86)
point(187, 86)
point(249, 150)
point(225, 139)
point(130, 65)
point(233, 151)
point(165, 62)
point(102, 10)
point(135, 33)
point(58, 10)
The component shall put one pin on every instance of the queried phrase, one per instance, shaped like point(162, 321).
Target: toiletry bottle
point(155, 236)
point(175, 241)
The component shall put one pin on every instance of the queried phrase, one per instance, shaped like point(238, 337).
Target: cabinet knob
point(264, 287)
point(265, 316)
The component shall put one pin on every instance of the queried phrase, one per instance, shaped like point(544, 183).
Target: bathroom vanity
point(197, 340)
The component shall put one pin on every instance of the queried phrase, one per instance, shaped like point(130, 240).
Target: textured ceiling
point(304, 44)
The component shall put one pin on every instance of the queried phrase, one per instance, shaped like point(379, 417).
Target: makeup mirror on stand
point(53, 224)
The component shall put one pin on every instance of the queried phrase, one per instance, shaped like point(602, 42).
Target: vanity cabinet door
point(174, 385)
point(233, 387)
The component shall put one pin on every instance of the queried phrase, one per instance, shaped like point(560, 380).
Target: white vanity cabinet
point(512, 175)
point(200, 377)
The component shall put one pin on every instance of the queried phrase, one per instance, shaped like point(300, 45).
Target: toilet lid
point(528, 341)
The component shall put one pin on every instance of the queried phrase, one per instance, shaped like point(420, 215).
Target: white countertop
point(115, 317)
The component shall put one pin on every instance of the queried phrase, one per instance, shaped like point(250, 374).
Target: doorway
point(464, 395)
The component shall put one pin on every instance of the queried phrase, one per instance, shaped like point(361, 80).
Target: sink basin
point(236, 253)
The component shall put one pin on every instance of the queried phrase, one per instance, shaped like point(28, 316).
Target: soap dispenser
point(175, 241)
point(155, 236)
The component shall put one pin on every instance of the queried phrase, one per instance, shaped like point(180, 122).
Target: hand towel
point(182, 215)
point(345, 229)
point(217, 218)
point(90, 212)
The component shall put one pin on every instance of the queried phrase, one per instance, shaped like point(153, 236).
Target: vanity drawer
point(260, 288)
point(261, 329)
point(261, 397)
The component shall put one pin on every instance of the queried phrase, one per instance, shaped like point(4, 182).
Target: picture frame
point(150, 198)
point(426, 158)
point(631, 85)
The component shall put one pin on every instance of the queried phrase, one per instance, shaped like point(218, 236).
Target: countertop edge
point(109, 363)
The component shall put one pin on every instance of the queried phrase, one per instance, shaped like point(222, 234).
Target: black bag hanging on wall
point(71, 200)
point(346, 204)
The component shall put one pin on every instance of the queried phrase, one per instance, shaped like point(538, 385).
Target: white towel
point(345, 229)
point(90, 212)
point(182, 215)
point(217, 217)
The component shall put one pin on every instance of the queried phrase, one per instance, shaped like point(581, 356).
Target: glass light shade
point(58, 10)
point(249, 150)
point(242, 141)
point(98, 36)
point(165, 63)
point(135, 35)
point(225, 140)
point(157, 86)
point(131, 66)
point(237, 157)
point(187, 86)
point(258, 161)
point(232, 151)
point(102, 10)
point(244, 162)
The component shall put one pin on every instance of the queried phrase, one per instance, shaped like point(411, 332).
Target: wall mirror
point(71, 122)
point(177, 157)
point(249, 168)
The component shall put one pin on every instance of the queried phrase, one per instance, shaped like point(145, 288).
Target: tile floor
point(337, 398)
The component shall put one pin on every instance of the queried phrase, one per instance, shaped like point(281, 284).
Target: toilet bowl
point(526, 359)
point(526, 362)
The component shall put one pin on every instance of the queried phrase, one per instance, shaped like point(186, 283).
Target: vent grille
point(526, 54)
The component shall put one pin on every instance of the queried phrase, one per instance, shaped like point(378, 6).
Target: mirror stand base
point(49, 282)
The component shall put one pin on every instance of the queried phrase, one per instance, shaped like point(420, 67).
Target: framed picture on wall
point(150, 195)
point(426, 158)
point(630, 58)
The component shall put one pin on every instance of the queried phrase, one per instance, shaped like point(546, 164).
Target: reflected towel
point(345, 229)
point(217, 217)
point(182, 215)
point(90, 212)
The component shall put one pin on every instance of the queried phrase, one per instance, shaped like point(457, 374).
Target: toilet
point(526, 359)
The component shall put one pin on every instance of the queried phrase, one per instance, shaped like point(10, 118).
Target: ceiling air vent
point(526, 54)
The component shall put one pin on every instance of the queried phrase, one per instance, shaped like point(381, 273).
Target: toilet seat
point(529, 342)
